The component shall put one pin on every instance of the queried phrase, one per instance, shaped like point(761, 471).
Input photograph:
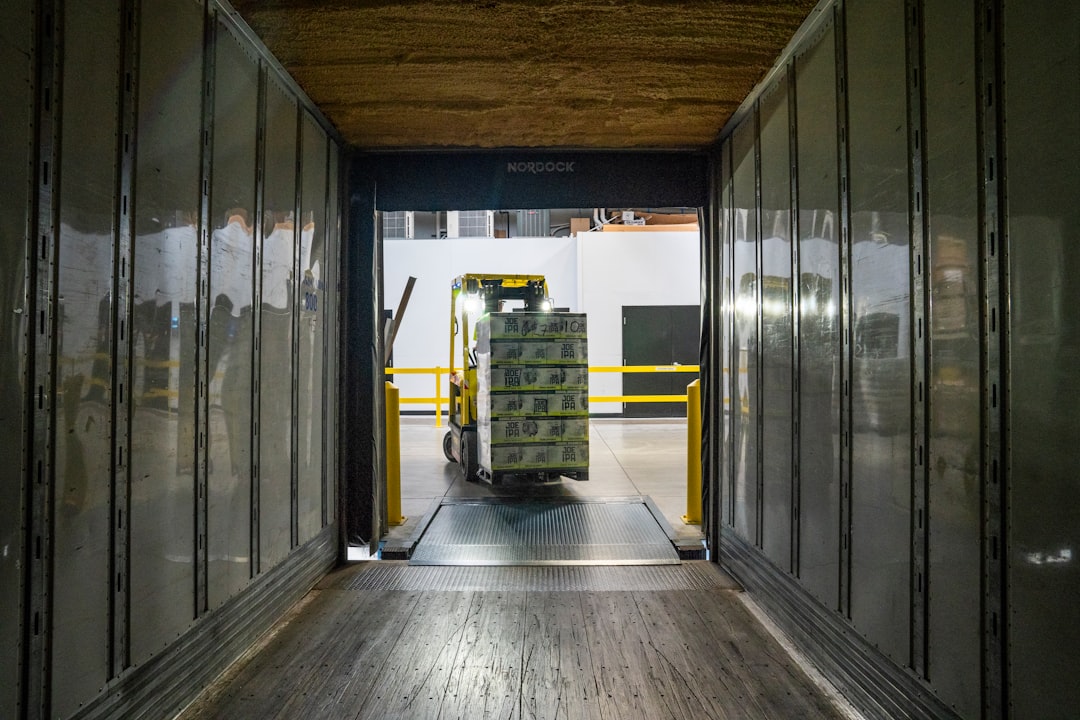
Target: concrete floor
point(627, 458)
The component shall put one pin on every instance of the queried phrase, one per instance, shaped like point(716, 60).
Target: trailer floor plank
point(387, 640)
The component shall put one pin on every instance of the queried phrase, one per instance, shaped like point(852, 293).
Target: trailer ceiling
point(526, 73)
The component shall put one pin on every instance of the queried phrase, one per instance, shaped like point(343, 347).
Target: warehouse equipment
point(519, 404)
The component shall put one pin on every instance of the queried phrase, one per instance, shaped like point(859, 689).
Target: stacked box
point(516, 430)
point(534, 458)
point(539, 352)
point(523, 326)
point(552, 404)
point(533, 395)
point(503, 377)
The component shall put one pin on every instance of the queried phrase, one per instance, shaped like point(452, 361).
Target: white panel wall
point(597, 273)
point(631, 268)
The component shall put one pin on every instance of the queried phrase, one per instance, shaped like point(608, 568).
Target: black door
point(659, 335)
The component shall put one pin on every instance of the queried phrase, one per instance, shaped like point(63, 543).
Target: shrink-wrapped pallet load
point(533, 396)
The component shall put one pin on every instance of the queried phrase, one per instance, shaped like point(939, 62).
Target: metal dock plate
point(539, 532)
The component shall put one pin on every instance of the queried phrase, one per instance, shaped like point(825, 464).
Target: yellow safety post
point(438, 396)
point(693, 454)
point(393, 455)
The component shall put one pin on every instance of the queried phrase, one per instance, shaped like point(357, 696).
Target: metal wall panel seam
point(328, 307)
point(715, 360)
point(704, 216)
point(334, 289)
point(719, 451)
point(759, 349)
point(716, 370)
point(723, 386)
point(256, 316)
point(294, 364)
point(42, 361)
point(994, 320)
point(918, 223)
point(729, 231)
point(796, 315)
point(844, 204)
point(123, 293)
point(202, 300)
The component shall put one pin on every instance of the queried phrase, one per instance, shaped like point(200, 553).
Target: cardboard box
point(539, 430)
point(522, 458)
point(552, 404)
point(570, 351)
point(536, 377)
point(652, 218)
point(580, 225)
point(518, 326)
point(684, 227)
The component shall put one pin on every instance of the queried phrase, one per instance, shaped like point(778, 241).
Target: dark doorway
point(659, 335)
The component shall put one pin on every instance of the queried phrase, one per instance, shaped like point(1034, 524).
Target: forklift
point(473, 296)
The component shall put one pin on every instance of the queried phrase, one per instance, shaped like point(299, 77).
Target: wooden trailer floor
point(390, 640)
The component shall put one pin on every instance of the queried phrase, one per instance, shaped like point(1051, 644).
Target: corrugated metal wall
point(893, 238)
point(170, 262)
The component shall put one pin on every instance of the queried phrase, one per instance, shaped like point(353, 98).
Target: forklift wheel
point(447, 444)
point(469, 461)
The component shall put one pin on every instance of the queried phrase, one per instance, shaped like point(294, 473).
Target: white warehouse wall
point(631, 268)
point(596, 273)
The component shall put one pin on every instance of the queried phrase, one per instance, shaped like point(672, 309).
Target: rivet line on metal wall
point(918, 640)
point(256, 315)
point(202, 310)
point(994, 270)
point(759, 349)
point(843, 163)
point(40, 282)
point(294, 365)
point(796, 316)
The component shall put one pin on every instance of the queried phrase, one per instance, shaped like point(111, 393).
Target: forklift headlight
point(474, 304)
point(545, 306)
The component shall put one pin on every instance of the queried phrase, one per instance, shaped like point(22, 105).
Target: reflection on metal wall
point(1042, 117)
point(819, 320)
point(85, 275)
point(776, 325)
point(953, 375)
point(16, 37)
point(231, 331)
point(880, 307)
point(278, 225)
point(165, 274)
point(332, 329)
point(128, 352)
point(311, 332)
point(727, 332)
point(745, 401)
point(921, 301)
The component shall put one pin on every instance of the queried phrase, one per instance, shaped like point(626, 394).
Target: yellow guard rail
point(438, 400)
